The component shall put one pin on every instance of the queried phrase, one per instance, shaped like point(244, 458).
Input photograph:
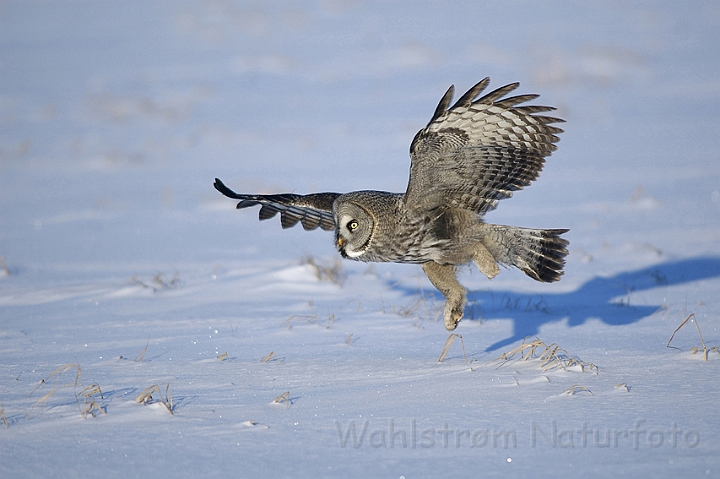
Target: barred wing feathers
point(310, 210)
point(480, 150)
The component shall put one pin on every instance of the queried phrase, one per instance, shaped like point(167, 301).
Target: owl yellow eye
point(352, 225)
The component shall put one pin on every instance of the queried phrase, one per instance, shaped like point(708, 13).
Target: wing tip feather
point(443, 105)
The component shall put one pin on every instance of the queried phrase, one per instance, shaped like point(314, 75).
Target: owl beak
point(341, 247)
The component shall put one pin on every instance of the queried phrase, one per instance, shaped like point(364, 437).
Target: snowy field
point(125, 275)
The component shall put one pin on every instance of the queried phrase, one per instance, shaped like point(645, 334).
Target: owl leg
point(443, 278)
point(484, 260)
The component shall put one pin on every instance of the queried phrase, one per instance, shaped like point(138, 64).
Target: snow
point(123, 267)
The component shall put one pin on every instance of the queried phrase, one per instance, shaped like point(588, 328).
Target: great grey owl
point(467, 158)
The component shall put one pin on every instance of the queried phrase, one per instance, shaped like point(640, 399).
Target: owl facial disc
point(354, 228)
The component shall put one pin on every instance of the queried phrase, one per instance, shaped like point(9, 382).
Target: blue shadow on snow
point(608, 299)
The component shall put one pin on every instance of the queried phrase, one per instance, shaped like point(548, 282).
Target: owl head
point(354, 227)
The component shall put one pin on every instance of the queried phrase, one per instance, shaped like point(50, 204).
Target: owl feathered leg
point(443, 278)
point(540, 254)
point(485, 261)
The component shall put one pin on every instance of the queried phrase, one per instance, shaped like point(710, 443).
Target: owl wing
point(480, 150)
point(310, 210)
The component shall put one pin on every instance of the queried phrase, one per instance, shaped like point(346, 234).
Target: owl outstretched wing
point(480, 150)
point(310, 210)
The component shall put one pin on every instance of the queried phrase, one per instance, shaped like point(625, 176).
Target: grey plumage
point(467, 158)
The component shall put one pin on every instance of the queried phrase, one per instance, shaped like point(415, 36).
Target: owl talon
point(454, 307)
point(452, 318)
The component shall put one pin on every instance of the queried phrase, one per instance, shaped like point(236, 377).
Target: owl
point(469, 156)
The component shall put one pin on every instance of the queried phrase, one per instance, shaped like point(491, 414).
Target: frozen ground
point(121, 260)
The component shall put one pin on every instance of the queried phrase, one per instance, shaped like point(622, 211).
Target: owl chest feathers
point(373, 226)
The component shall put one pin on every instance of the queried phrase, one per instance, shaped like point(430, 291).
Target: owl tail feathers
point(540, 254)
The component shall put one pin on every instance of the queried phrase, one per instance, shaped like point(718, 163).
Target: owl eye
point(352, 225)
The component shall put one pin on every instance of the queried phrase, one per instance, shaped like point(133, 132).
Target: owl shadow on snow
point(606, 298)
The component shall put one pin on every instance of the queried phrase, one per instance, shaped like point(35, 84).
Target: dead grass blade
point(93, 408)
point(694, 349)
point(283, 398)
point(159, 282)
point(309, 319)
point(162, 283)
point(223, 356)
point(705, 351)
point(421, 306)
point(550, 356)
point(145, 397)
point(141, 356)
point(572, 390)
point(168, 402)
point(332, 273)
point(91, 390)
point(270, 357)
point(57, 373)
point(3, 417)
point(89, 404)
point(448, 343)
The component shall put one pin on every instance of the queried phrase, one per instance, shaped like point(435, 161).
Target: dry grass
point(86, 398)
point(90, 405)
point(308, 318)
point(3, 417)
point(141, 356)
point(448, 342)
point(283, 398)
point(332, 272)
point(694, 349)
point(624, 302)
point(159, 282)
point(550, 356)
point(270, 357)
point(421, 306)
point(315, 319)
point(146, 397)
point(349, 339)
point(573, 390)
point(223, 356)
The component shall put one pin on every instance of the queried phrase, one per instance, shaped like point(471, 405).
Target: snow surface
point(116, 116)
